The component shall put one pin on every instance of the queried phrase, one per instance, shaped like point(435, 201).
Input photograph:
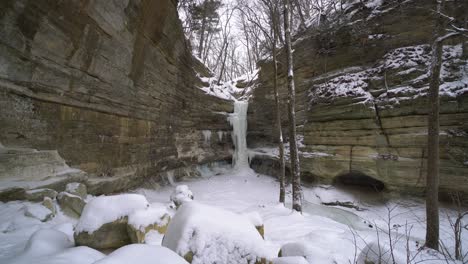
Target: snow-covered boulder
point(71, 204)
point(141, 222)
point(103, 223)
point(208, 235)
point(181, 194)
point(294, 249)
point(38, 211)
point(290, 260)
point(373, 253)
point(37, 195)
point(77, 188)
point(142, 254)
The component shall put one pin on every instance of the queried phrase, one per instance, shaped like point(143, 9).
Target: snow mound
point(149, 216)
point(181, 195)
point(295, 249)
point(75, 255)
point(106, 209)
point(375, 253)
point(46, 242)
point(52, 246)
point(290, 260)
point(142, 254)
point(213, 235)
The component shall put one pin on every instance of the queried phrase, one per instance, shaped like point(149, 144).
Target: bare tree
point(294, 157)
point(278, 111)
point(432, 180)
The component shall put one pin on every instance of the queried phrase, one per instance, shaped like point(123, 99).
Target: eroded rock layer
point(109, 84)
point(361, 98)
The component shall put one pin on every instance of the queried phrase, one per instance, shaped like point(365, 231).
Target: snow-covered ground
point(330, 233)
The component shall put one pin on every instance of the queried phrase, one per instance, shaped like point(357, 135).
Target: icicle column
point(238, 121)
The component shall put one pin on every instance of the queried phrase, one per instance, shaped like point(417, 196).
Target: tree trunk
point(282, 195)
point(202, 39)
point(295, 167)
point(223, 65)
point(432, 180)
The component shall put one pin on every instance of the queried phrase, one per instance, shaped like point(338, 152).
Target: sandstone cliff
point(110, 85)
point(361, 99)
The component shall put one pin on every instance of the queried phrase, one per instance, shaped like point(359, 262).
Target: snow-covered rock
point(103, 223)
point(375, 253)
point(105, 209)
point(49, 204)
point(77, 188)
point(37, 195)
point(71, 204)
point(205, 234)
point(141, 222)
point(181, 195)
point(38, 211)
point(142, 254)
point(294, 249)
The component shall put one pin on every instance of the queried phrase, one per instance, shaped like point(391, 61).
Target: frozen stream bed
point(332, 234)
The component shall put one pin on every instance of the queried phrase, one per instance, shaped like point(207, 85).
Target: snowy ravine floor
point(328, 231)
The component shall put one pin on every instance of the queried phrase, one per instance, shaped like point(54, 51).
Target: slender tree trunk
point(432, 180)
point(202, 39)
point(282, 196)
point(246, 33)
point(295, 167)
point(224, 63)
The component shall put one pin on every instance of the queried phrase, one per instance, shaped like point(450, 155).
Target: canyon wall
point(110, 85)
point(361, 83)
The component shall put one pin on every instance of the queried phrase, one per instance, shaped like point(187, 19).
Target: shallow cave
point(359, 180)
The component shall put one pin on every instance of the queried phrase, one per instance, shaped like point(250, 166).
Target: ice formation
point(238, 121)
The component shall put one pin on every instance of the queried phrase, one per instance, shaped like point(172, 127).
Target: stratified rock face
point(109, 84)
point(361, 99)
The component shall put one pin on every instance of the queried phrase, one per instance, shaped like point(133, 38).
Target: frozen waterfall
point(238, 121)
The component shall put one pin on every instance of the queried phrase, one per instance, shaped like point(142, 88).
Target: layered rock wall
point(109, 84)
point(361, 98)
